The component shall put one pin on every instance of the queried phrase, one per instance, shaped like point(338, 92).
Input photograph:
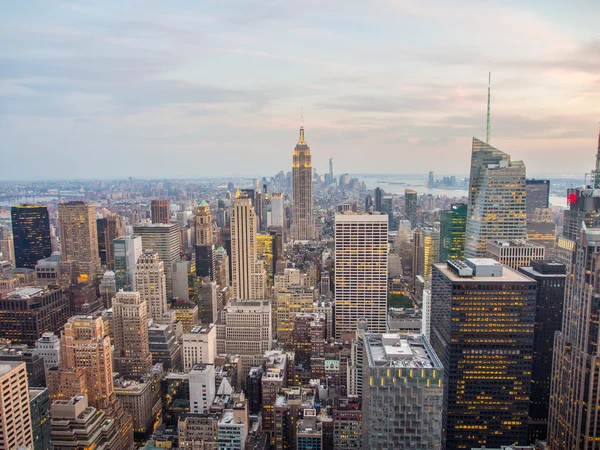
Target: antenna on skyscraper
point(301, 117)
point(487, 134)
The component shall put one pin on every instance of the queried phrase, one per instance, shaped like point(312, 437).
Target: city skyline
point(119, 81)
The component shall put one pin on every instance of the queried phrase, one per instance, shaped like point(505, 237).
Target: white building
point(199, 346)
point(202, 387)
point(361, 270)
point(48, 347)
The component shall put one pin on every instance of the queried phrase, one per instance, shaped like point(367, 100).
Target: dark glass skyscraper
point(378, 199)
point(453, 224)
point(31, 234)
point(482, 319)
point(410, 206)
point(538, 194)
point(550, 277)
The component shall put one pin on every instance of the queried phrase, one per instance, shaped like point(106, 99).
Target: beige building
point(76, 425)
point(361, 267)
point(79, 238)
point(150, 282)
point(248, 276)
point(141, 399)
point(204, 231)
point(15, 418)
point(132, 358)
point(199, 346)
point(303, 224)
point(288, 304)
point(245, 329)
point(515, 253)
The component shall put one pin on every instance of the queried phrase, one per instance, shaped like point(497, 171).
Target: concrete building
point(402, 393)
point(132, 358)
point(151, 283)
point(203, 223)
point(247, 275)
point(202, 387)
point(515, 253)
point(141, 399)
point(290, 302)
point(198, 431)
point(47, 271)
point(162, 239)
point(181, 272)
point(497, 199)
point(75, 425)
point(199, 346)
point(482, 324)
point(360, 271)
point(48, 347)
point(347, 423)
point(108, 288)
point(303, 225)
point(79, 238)
point(15, 413)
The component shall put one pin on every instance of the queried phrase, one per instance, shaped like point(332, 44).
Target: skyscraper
point(410, 206)
point(160, 212)
point(303, 226)
point(538, 194)
point(129, 328)
point(204, 231)
point(150, 282)
point(361, 266)
point(277, 210)
point(15, 417)
point(482, 319)
point(126, 251)
point(79, 238)
point(551, 278)
point(429, 253)
point(378, 199)
point(496, 199)
point(247, 276)
point(31, 235)
point(453, 224)
point(574, 418)
point(164, 240)
point(109, 228)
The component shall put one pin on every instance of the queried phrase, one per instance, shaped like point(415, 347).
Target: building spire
point(487, 134)
point(301, 141)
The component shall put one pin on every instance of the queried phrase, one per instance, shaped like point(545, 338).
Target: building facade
point(151, 283)
point(303, 225)
point(453, 225)
point(31, 235)
point(361, 260)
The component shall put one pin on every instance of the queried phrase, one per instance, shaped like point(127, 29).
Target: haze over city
point(191, 89)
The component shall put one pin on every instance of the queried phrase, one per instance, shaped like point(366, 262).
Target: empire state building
point(303, 226)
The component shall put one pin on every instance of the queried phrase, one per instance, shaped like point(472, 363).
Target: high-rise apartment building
point(453, 224)
point(15, 416)
point(79, 238)
point(482, 324)
point(361, 260)
point(129, 329)
point(551, 278)
point(126, 251)
point(410, 206)
point(538, 194)
point(303, 225)
point(497, 199)
point(150, 282)
point(109, 228)
point(160, 212)
point(204, 230)
point(247, 276)
point(31, 235)
point(162, 239)
point(402, 393)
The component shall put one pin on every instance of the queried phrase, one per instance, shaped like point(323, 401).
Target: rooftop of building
point(508, 275)
point(521, 243)
point(201, 329)
point(400, 351)
point(26, 292)
point(7, 366)
point(301, 396)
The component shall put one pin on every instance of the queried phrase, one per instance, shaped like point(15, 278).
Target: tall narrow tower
point(150, 282)
point(247, 278)
point(203, 224)
point(303, 226)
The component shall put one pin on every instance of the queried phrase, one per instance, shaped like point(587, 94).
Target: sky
point(177, 89)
